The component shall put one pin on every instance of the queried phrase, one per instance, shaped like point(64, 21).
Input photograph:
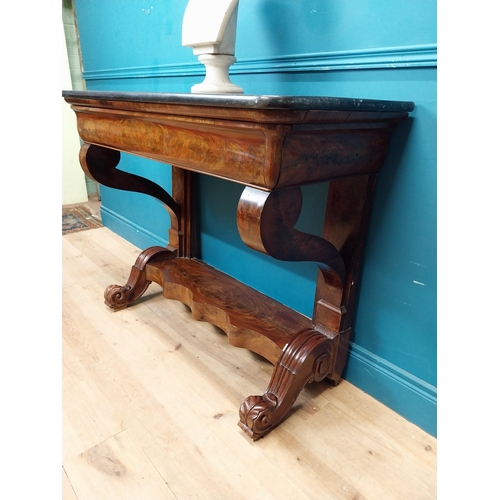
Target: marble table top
point(282, 102)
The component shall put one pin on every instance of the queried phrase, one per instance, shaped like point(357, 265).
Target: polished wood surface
point(273, 152)
point(151, 398)
point(265, 148)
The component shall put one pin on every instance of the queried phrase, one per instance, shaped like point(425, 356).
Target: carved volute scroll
point(309, 357)
point(100, 164)
point(118, 297)
point(266, 223)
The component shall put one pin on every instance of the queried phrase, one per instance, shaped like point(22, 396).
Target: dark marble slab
point(248, 101)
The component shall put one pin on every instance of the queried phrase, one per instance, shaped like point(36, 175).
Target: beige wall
point(74, 189)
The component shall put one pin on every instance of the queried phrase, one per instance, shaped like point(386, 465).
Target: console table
point(271, 145)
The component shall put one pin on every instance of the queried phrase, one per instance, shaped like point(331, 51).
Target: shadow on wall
point(393, 166)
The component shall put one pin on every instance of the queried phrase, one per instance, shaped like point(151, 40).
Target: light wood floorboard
point(151, 398)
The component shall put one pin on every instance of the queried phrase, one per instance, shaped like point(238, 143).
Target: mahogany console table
point(272, 145)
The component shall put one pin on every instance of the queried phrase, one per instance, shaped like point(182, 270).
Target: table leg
point(118, 297)
point(309, 357)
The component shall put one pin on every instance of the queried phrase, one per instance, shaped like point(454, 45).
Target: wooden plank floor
point(151, 398)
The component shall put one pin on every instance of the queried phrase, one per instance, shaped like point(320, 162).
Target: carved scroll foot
point(309, 357)
point(119, 297)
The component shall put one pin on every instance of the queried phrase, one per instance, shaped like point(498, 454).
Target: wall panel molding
point(411, 397)
point(137, 235)
point(413, 56)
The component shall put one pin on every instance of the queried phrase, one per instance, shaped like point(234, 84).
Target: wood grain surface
point(151, 397)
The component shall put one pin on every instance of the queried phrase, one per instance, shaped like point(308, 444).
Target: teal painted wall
point(344, 48)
